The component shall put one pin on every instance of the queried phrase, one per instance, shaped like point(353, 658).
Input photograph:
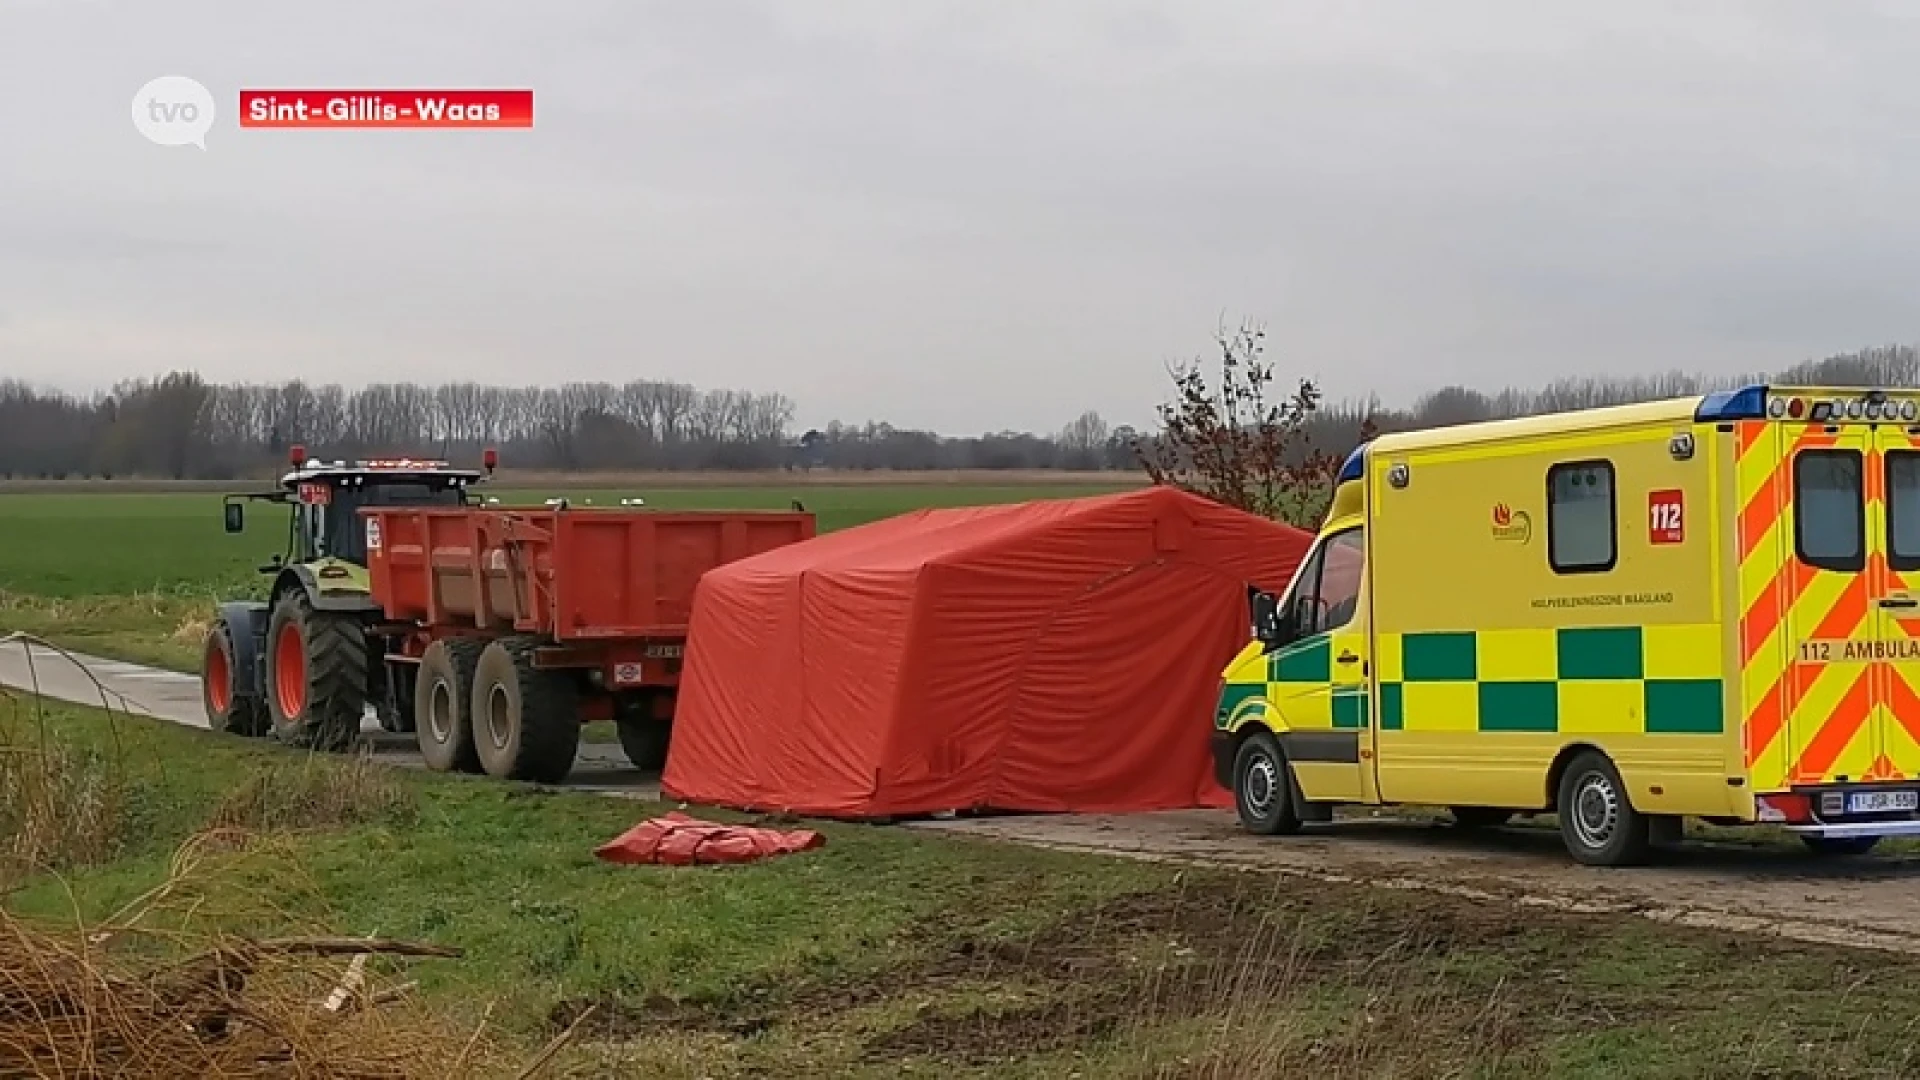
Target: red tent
point(1051, 655)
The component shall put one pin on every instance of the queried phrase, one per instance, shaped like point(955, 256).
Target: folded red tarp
point(679, 840)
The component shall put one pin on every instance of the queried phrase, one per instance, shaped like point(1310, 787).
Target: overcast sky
point(968, 215)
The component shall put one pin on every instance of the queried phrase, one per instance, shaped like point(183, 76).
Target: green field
point(108, 544)
point(134, 576)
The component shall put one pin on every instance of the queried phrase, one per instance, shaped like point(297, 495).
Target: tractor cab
point(327, 496)
point(303, 662)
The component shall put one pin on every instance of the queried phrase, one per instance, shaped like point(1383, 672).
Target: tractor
point(304, 665)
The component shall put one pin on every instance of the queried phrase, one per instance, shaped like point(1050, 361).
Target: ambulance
point(1706, 607)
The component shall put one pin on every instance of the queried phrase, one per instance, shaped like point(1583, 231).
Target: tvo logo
point(174, 110)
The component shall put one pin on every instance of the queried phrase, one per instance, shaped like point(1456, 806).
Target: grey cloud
point(972, 214)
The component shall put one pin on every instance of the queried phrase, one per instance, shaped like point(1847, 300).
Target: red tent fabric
point(1046, 656)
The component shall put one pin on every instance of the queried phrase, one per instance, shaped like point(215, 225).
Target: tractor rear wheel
point(316, 675)
point(228, 710)
point(526, 722)
point(443, 705)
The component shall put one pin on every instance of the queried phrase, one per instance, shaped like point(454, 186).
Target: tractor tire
point(526, 722)
point(228, 710)
point(316, 675)
point(443, 705)
point(643, 735)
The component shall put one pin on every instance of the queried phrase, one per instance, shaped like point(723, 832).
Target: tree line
point(179, 426)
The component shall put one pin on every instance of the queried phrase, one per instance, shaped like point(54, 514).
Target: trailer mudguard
point(247, 622)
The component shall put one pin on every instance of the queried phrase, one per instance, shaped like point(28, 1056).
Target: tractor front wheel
point(228, 710)
point(316, 675)
point(526, 722)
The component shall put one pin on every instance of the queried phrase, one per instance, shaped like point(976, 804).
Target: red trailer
point(524, 623)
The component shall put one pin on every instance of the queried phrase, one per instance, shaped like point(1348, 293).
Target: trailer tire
point(644, 736)
point(1597, 822)
point(316, 675)
point(526, 722)
point(228, 710)
point(443, 705)
point(1263, 787)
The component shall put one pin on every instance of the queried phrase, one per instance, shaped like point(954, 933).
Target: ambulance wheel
point(1480, 817)
point(1263, 787)
point(1597, 823)
point(1840, 845)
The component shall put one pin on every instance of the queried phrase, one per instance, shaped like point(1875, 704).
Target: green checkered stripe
point(1590, 665)
point(1306, 661)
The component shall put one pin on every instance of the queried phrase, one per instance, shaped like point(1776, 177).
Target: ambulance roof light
point(1354, 466)
point(1746, 403)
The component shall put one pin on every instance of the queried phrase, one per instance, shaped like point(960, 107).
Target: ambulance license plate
point(1882, 802)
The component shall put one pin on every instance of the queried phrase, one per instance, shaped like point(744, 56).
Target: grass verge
point(894, 953)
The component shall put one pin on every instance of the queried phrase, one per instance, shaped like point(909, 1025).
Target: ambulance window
point(1346, 557)
point(1903, 510)
point(1581, 521)
point(1829, 510)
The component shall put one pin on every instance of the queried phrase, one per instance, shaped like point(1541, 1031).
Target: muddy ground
point(1755, 884)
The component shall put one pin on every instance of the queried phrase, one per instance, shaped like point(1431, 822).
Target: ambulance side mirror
point(1264, 609)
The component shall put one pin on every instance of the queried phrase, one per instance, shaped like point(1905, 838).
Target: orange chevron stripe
point(1766, 720)
point(1747, 436)
point(1846, 720)
point(1904, 704)
point(1760, 621)
point(1841, 621)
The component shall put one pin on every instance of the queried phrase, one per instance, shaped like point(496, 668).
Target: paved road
point(171, 696)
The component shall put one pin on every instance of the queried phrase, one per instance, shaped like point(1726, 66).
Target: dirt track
point(1872, 902)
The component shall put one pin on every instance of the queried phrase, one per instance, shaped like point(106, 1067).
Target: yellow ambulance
point(1706, 607)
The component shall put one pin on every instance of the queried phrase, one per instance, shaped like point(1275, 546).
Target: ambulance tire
point(1263, 787)
point(1597, 823)
point(1840, 845)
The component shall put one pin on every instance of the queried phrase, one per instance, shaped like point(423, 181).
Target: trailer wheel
point(443, 705)
point(1263, 787)
point(526, 722)
point(1597, 823)
point(316, 675)
point(228, 710)
point(643, 735)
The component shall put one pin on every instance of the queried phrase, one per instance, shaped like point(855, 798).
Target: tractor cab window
point(344, 534)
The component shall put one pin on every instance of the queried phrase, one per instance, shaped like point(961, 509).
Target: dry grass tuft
point(316, 791)
point(151, 991)
point(60, 807)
